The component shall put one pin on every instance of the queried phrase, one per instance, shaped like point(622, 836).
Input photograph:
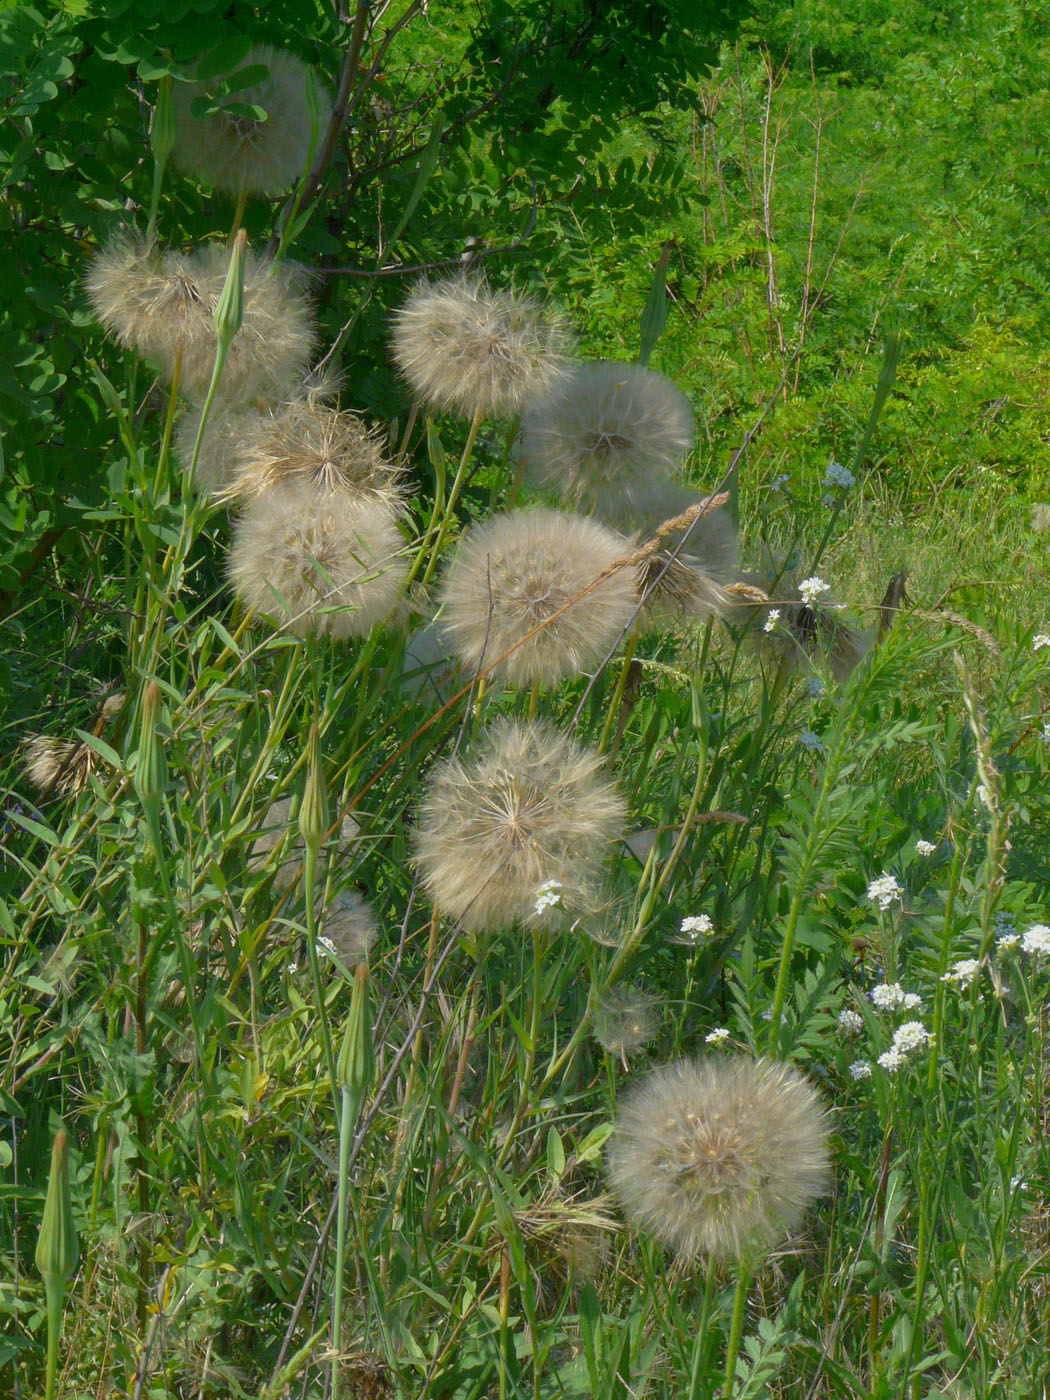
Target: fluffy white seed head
point(233, 150)
point(720, 1157)
point(605, 429)
point(465, 348)
point(516, 571)
point(228, 428)
point(530, 806)
point(347, 927)
point(709, 545)
point(318, 561)
point(151, 300)
point(625, 1020)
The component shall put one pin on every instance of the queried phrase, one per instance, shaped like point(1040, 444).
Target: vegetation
point(638, 984)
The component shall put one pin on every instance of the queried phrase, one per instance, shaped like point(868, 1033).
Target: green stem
point(453, 495)
point(346, 1132)
point(54, 1290)
point(700, 1344)
point(736, 1327)
point(617, 697)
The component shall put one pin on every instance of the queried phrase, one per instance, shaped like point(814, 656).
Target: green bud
point(56, 1249)
point(151, 771)
point(356, 1065)
point(162, 129)
point(313, 810)
point(229, 314)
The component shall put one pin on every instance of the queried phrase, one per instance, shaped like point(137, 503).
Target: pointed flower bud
point(356, 1065)
point(151, 773)
point(56, 1248)
point(162, 129)
point(313, 811)
point(229, 313)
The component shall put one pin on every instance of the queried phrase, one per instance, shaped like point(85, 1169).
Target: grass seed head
point(235, 151)
point(465, 348)
point(318, 561)
point(605, 430)
point(720, 1157)
point(529, 807)
point(516, 571)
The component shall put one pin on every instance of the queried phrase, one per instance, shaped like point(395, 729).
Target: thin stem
point(453, 495)
point(736, 1327)
point(617, 696)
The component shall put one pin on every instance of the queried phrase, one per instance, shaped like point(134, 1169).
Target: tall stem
point(453, 495)
point(736, 1327)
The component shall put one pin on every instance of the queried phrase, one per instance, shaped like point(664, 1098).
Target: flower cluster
point(907, 1038)
point(850, 1022)
point(810, 589)
point(838, 475)
point(696, 926)
point(1040, 640)
point(891, 996)
point(924, 848)
point(963, 972)
point(884, 890)
point(1036, 941)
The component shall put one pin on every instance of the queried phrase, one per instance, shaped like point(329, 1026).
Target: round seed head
point(606, 429)
point(804, 632)
point(228, 428)
point(280, 845)
point(709, 544)
point(232, 149)
point(720, 1157)
point(310, 443)
point(151, 301)
point(319, 561)
point(530, 807)
point(625, 1020)
point(347, 928)
point(517, 571)
point(468, 349)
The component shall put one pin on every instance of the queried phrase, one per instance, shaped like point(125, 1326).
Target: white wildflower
point(1006, 941)
point(911, 1001)
point(1036, 941)
point(1017, 1183)
point(891, 1060)
point(326, 946)
point(963, 972)
point(772, 618)
point(810, 589)
point(912, 1035)
point(1040, 640)
point(548, 896)
point(717, 1037)
point(924, 848)
point(810, 740)
point(884, 890)
point(838, 475)
point(697, 926)
point(860, 1069)
point(887, 996)
point(850, 1021)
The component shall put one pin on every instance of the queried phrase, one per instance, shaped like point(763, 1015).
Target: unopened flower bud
point(229, 313)
point(356, 1065)
point(56, 1247)
point(313, 811)
point(151, 774)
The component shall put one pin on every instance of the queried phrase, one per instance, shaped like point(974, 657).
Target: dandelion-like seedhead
point(220, 459)
point(280, 829)
point(308, 442)
point(234, 150)
point(466, 348)
point(318, 561)
point(518, 571)
point(798, 631)
point(720, 1157)
point(529, 807)
point(151, 301)
point(348, 925)
point(57, 767)
point(605, 432)
point(625, 1020)
point(709, 544)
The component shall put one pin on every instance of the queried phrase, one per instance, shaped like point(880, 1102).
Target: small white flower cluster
point(850, 1022)
point(1040, 640)
point(884, 890)
point(548, 896)
point(815, 688)
point(860, 1069)
point(912, 1035)
point(891, 996)
point(772, 618)
point(924, 848)
point(1036, 942)
point(697, 926)
point(985, 796)
point(326, 946)
point(963, 972)
point(718, 1036)
point(810, 741)
point(838, 475)
point(810, 589)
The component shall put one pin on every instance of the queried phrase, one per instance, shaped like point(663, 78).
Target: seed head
point(319, 561)
point(466, 348)
point(709, 545)
point(347, 928)
point(805, 631)
point(279, 833)
point(624, 1021)
point(57, 767)
point(606, 429)
point(516, 571)
point(720, 1157)
point(228, 428)
point(232, 149)
point(530, 806)
point(151, 301)
point(307, 442)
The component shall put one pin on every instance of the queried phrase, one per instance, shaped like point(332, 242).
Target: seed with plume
point(529, 807)
point(234, 150)
point(279, 844)
point(309, 442)
point(318, 561)
point(161, 305)
point(605, 429)
point(720, 1157)
point(625, 1020)
point(468, 349)
point(516, 571)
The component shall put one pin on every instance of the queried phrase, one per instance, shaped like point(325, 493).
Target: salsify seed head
point(625, 1020)
point(466, 348)
point(232, 149)
point(228, 429)
point(720, 1157)
point(530, 806)
point(709, 544)
point(318, 561)
point(518, 571)
point(151, 300)
point(605, 428)
point(309, 442)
